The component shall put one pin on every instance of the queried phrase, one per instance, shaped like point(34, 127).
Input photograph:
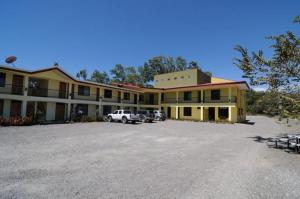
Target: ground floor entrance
point(211, 113)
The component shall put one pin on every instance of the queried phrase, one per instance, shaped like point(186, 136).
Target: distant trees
point(142, 75)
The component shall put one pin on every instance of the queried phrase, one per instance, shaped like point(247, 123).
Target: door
point(119, 97)
point(151, 98)
point(15, 108)
point(97, 94)
point(30, 110)
point(169, 112)
point(135, 98)
point(211, 113)
point(17, 84)
point(62, 89)
point(60, 112)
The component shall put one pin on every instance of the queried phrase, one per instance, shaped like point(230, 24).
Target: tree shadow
point(271, 143)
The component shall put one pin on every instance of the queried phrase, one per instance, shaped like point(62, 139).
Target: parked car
point(124, 116)
point(160, 115)
point(146, 115)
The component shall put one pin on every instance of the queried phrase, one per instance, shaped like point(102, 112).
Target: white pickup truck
point(124, 116)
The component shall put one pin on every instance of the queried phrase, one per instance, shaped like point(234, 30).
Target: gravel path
point(172, 159)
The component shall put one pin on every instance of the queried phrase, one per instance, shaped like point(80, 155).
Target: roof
point(65, 73)
point(126, 86)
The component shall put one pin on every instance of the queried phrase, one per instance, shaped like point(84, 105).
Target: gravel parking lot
point(171, 159)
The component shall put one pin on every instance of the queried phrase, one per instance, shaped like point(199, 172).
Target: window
point(2, 79)
point(162, 97)
point(107, 93)
point(182, 77)
point(169, 79)
point(187, 111)
point(126, 96)
point(187, 96)
point(83, 90)
point(116, 112)
point(175, 78)
point(215, 94)
point(141, 98)
point(223, 113)
point(127, 112)
point(1, 107)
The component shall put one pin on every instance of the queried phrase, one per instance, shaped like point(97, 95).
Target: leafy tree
point(82, 74)
point(193, 64)
point(181, 63)
point(100, 77)
point(281, 71)
point(118, 73)
point(132, 76)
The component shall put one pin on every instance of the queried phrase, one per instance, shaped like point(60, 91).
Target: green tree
point(281, 71)
point(132, 76)
point(82, 74)
point(193, 64)
point(181, 64)
point(118, 73)
point(100, 77)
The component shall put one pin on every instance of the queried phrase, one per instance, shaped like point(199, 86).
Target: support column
point(229, 94)
point(216, 113)
point(159, 98)
point(202, 96)
point(25, 85)
point(69, 111)
point(229, 114)
point(176, 116)
point(24, 107)
point(70, 91)
point(201, 113)
point(177, 96)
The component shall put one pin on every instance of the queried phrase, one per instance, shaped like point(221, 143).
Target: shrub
point(16, 121)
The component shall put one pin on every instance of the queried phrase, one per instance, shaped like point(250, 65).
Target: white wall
point(50, 115)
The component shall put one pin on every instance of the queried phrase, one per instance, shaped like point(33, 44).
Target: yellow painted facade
point(51, 94)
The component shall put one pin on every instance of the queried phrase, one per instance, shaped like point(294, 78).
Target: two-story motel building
point(51, 94)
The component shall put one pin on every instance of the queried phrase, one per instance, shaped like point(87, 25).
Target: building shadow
point(248, 122)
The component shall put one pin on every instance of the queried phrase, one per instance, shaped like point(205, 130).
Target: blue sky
point(99, 34)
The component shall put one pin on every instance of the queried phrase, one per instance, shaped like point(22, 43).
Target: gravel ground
point(172, 159)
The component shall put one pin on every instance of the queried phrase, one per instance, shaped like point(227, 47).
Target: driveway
point(171, 159)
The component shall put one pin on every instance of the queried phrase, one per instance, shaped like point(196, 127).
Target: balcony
point(90, 97)
point(222, 99)
point(12, 89)
point(44, 92)
point(112, 99)
point(147, 102)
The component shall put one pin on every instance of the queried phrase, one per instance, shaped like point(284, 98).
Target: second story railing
point(148, 102)
point(12, 89)
point(44, 92)
point(90, 97)
point(222, 99)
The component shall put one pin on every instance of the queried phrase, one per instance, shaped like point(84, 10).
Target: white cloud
point(259, 88)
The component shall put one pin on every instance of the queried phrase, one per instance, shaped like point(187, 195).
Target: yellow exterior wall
point(196, 114)
point(219, 80)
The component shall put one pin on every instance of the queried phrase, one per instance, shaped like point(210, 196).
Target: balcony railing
point(147, 102)
point(222, 99)
point(111, 99)
point(12, 89)
point(91, 97)
point(44, 92)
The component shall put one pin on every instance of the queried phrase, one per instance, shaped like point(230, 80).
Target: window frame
point(107, 91)
point(187, 96)
point(84, 90)
point(2, 81)
point(126, 96)
point(187, 111)
point(215, 94)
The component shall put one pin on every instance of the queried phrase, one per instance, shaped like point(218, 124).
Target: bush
point(16, 121)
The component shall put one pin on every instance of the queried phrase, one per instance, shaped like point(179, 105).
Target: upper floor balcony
point(11, 89)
